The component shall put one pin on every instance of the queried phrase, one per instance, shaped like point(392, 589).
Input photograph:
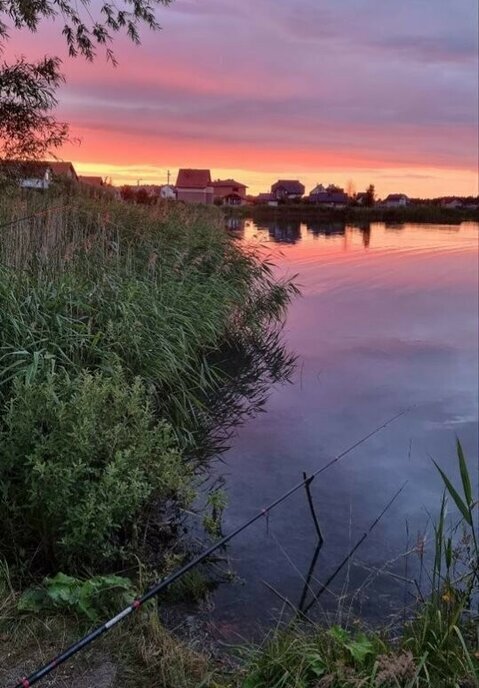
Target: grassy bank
point(437, 646)
point(119, 332)
point(360, 216)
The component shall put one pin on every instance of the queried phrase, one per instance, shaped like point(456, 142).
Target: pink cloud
point(274, 84)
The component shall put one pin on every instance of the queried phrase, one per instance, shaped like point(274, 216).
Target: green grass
point(436, 648)
point(114, 316)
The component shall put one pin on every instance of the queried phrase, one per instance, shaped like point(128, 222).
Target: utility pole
point(168, 175)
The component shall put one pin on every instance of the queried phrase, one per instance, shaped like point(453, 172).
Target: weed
point(91, 598)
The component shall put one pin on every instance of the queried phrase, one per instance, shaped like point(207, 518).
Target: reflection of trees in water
point(366, 235)
point(285, 231)
point(322, 229)
point(339, 229)
point(245, 368)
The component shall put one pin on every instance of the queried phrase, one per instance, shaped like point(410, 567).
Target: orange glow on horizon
point(424, 182)
point(251, 103)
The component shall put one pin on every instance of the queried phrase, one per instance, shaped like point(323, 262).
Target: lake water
point(388, 318)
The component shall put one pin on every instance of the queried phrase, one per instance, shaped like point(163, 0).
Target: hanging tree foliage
point(28, 129)
point(27, 96)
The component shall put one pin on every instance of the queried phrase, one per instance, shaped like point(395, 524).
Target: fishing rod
point(162, 584)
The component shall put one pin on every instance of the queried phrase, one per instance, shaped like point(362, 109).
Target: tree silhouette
point(369, 197)
point(27, 89)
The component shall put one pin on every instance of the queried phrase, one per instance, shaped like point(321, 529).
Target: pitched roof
point(265, 197)
point(24, 168)
point(62, 168)
point(227, 182)
point(37, 168)
point(292, 186)
point(92, 181)
point(193, 179)
point(395, 197)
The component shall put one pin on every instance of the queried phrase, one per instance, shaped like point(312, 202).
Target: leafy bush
point(80, 458)
point(160, 294)
point(92, 598)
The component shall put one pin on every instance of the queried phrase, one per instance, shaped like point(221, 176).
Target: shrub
point(80, 458)
point(92, 598)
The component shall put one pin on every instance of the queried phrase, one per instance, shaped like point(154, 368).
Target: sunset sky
point(325, 91)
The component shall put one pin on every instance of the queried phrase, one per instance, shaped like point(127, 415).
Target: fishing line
point(161, 585)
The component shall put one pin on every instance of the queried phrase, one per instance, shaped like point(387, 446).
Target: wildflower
point(447, 597)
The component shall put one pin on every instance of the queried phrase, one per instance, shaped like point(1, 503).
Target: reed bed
point(156, 310)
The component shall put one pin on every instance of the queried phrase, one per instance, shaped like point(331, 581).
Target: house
point(361, 198)
point(268, 198)
point(64, 170)
point(164, 192)
point(91, 181)
point(37, 174)
point(451, 202)
point(331, 199)
point(167, 192)
point(194, 186)
point(396, 201)
point(97, 187)
point(287, 190)
point(229, 192)
point(319, 188)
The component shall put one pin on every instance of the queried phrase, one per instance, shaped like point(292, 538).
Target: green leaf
point(466, 481)
point(251, 681)
point(360, 648)
point(463, 508)
point(339, 634)
point(448, 552)
point(316, 665)
point(32, 600)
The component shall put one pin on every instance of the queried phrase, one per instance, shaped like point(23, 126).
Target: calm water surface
point(388, 318)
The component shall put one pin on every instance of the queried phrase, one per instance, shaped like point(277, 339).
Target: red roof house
point(229, 192)
point(194, 186)
point(91, 181)
point(63, 169)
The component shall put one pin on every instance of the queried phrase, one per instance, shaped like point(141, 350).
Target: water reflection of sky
point(388, 318)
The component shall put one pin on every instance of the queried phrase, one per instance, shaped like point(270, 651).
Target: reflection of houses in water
point(285, 232)
point(322, 229)
point(236, 225)
point(331, 229)
point(289, 231)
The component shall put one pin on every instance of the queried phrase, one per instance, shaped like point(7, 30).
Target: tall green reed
point(158, 295)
